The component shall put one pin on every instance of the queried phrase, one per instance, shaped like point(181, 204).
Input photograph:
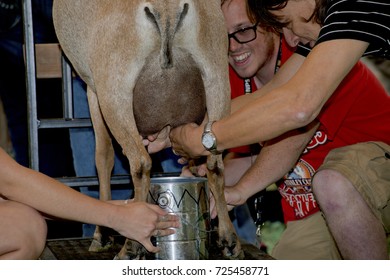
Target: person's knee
point(37, 236)
point(322, 181)
point(328, 188)
point(24, 232)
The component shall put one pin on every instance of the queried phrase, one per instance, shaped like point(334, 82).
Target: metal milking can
point(188, 198)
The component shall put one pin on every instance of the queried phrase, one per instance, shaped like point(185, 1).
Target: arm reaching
point(293, 99)
point(276, 158)
point(134, 220)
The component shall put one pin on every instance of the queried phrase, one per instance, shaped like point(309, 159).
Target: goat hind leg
point(140, 165)
point(104, 158)
point(227, 236)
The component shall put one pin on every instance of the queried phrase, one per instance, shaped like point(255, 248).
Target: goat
point(149, 64)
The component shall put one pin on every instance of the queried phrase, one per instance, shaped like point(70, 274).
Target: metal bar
point(67, 89)
point(93, 181)
point(28, 34)
point(62, 123)
point(115, 179)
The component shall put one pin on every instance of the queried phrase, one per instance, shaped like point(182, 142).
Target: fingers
point(152, 137)
point(168, 222)
point(179, 139)
point(186, 172)
point(157, 209)
point(181, 160)
point(230, 207)
point(145, 142)
point(163, 232)
point(158, 145)
point(213, 206)
point(150, 247)
point(165, 220)
point(194, 171)
point(164, 227)
point(168, 218)
point(202, 170)
point(158, 141)
point(156, 233)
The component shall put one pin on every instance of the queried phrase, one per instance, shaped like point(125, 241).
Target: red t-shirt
point(358, 111)
point(238, 87)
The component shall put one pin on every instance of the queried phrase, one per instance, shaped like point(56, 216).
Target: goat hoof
point(233, 253)
point(129, 257)
point(231, 248)
point(97, 246)
point(131, 250)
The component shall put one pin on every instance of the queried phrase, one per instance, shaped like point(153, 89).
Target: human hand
point(140, 221)
point(194, 170)
point(233, 198)
point(186, 141)
point(158, 141)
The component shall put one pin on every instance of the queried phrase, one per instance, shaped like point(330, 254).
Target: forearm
point(47, 195)
point(275, 160)
point(282, 77)
point(281, 106)
point(289, 101)
point(259, 121)
point(254, 118)
point(136, 220)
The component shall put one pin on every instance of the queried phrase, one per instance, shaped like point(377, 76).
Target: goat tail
point(167, 24)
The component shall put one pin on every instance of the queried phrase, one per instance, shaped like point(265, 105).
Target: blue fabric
point(244, 224)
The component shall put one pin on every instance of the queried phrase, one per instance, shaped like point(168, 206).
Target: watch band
point(207, 127)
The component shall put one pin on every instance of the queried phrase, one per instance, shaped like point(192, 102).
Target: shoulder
point(359, 20)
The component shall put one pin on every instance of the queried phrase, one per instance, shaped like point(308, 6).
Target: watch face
point(208, 141)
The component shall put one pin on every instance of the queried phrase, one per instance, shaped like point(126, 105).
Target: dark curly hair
point(261, 11)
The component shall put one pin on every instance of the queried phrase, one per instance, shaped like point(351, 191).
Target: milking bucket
point(187, 198)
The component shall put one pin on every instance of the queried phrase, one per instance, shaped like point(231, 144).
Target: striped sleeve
point(365, 20)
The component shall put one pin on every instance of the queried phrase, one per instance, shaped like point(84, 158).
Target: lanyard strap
point(279, 59)
point(247, 86)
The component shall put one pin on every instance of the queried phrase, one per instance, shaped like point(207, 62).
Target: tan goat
point(149, 64)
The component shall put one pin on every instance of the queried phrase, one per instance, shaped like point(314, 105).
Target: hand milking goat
point(149, 65)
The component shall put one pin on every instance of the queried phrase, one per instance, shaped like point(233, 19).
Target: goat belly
point(168, 94)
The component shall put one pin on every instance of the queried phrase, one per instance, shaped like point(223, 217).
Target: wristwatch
point(209, 141)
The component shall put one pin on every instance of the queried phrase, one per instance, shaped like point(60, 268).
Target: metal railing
point(68, 120)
